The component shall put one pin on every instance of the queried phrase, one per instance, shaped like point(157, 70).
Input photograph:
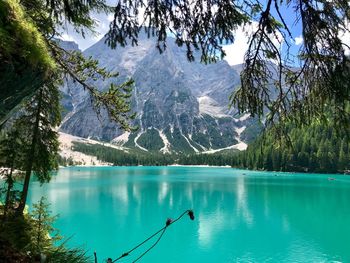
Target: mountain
point(71, 93)
point(182, 106)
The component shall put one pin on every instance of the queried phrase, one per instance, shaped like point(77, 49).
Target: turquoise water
point(241, 216)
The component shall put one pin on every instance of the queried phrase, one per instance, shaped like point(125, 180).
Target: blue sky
point(235, 52)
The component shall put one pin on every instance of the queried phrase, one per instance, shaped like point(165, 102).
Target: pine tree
point(31, 56)
point(11, 157)
point(343, 162)
point(37, 123)
point(43, 235)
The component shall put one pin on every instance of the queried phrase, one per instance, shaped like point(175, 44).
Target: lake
point(240, 216)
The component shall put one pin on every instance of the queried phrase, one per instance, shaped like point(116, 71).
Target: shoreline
point(199, 165)
point(205, 166)
point(170, 165)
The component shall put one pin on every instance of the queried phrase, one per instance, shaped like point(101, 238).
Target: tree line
point(317, 148)
point(138, 157)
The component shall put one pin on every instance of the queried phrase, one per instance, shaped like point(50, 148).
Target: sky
point(102, 27)
point(234, 52)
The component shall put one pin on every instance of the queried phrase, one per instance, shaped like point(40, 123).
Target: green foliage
point(201, 138)
point(218, 141)
point(27, 29)
point(290, 85)
point(177, 140)
point(76, 13)
point(251, 131)
point(314, 148)
point(35, 141)
point(25, 238)
point(116, 100)
point(43, 235)
point(270, 81)
point(63, 161)
point(70, 255)
point(35, 125)
point(25, 58)
point(192, 25)
point(11, 158)
point(16, 231)
point(217, 159)
point(151, 140)
point(131, 140)
point(120, 158)
point(20, 37)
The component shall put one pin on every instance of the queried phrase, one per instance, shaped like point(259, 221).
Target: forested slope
point(316, 148)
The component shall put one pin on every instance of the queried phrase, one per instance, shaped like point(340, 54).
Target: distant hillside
point(318, 148)
point(105, 154)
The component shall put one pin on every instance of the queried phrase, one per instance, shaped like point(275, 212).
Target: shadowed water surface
point(241, 216)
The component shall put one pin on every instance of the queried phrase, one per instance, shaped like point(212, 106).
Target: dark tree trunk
point(8, 192)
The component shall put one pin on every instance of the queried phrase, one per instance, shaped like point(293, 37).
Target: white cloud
point(102, 20)
point(67, 37)
point(345, 38)
point(110, 17)
point(102, 27)
point(298, 40)
point(236, 51)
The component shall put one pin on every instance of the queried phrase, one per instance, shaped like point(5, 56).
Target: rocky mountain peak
point(182, 106)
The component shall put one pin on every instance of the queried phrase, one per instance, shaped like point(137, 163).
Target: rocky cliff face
point(181, 106)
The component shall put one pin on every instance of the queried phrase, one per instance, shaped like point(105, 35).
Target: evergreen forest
point(318, 148)
point(315, 148)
